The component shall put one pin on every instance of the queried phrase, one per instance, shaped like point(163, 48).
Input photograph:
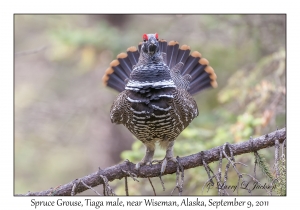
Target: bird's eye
point(145, 37)
point(156, 36)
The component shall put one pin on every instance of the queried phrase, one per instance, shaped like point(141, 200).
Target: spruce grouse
point(156, 83)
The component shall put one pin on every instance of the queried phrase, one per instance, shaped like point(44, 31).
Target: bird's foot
point(142, 163)
point(164, 163)
point(148, 157)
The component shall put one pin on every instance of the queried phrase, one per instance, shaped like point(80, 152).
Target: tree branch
point(191, 161)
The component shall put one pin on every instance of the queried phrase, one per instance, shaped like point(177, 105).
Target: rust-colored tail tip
point(122, 55)
point(131, 49)
point(213, 76)
point(185, 47)
point(214, 84)
point(172, 43)
point(203, 61)
point(109, 71)
point(115, 63)
point(196, 54)
point(209, 69)
point(105, 79)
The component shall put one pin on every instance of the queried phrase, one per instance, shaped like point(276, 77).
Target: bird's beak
point(152, 48)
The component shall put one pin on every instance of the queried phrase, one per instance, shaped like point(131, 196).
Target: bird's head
point(150, 45)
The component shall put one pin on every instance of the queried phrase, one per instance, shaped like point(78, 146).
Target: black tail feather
point(133, 55)
point(202, 77)
point(163, 45)
point(115, 83)
point(199, 69)
point(198, 81)
point(111, 79)
point(199, 87)
point(125, 63)
point(183, 54)
point(119, 72)
point(172, 52)
point(191, 62)
point(120, 69)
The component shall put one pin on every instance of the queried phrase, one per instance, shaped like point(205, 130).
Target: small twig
point(255, 163)
point(207, 168)
point(219, 182)
point(220, 191)
point(95, 191)
point(162, 183)
point(152, 186)
point(104, 190)
point(126, 186)
point(108, 189)
point(132, 175)
point(209, 180)
point(226, 173)
point(243, 164)
point(229, 159)
point(214, 176)
point(255, 152)
point(208, 171)
point(220, 163)
point(231, 152)
point(75, 185)
point(238, 184)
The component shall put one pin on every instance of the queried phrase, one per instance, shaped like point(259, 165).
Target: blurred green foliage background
point(62, 125)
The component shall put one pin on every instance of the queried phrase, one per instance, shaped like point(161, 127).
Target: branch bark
point(191, 161)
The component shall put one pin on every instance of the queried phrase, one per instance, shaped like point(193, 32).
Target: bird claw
point(137, 166)
point(165, 162)
point(142, 163)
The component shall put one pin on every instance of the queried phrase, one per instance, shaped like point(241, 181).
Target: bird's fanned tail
point(115, 76)
point(201, 74)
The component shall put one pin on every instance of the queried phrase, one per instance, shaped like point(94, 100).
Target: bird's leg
point(169, 156)
point(150, 148)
